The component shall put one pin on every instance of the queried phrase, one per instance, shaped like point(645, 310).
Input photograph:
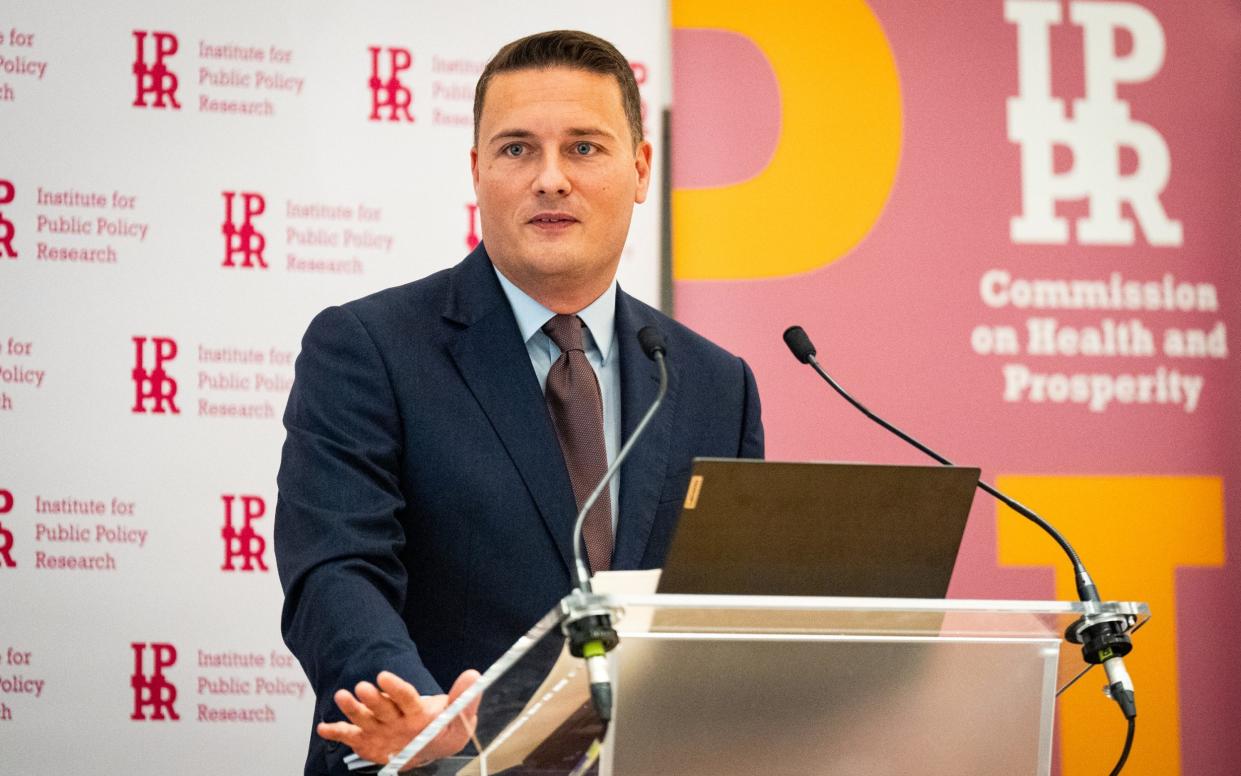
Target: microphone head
point(652, 341)
point(797, 340)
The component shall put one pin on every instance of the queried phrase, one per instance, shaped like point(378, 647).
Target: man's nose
point(551, 177)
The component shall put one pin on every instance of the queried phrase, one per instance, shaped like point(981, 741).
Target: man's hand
point(383, 720)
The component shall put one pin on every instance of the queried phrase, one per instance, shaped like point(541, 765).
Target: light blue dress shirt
point(600, 320)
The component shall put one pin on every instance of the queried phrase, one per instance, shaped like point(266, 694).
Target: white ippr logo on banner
point(1100, 126)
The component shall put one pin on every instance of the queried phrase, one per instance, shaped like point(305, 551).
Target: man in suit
point(430, 478)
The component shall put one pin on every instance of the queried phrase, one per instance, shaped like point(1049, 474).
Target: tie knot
point(565, 331)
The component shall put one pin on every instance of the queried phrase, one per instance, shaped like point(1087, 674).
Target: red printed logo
point(472, 229)
point(640, 75)
point(243, 241)
point(153, 691)
point(155, 79)
point(390, 93)
point(7, 230)
point(243, 543)
point(6, 536)
point(154, 385)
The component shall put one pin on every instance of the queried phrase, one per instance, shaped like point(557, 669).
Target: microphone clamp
point(1102, 636)
point(1105, 641)
point(586, 619)
point(587, 626)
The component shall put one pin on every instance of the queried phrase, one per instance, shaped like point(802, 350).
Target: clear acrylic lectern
point(784, 685)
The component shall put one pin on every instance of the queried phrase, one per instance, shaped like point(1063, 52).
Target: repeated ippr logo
point(6, 536)
point(388, 93)
point(243, 243)
point(7, 230)
point(152, 76)
point(154, 389)
point(640, 75)
point(1098, 127)
point(154, 693)
point(242, 542)
point(472, 234)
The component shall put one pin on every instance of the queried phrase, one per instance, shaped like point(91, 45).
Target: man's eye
point(584, 149)
point(514, 149)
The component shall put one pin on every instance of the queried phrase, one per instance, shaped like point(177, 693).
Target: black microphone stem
point(1104, 637)
point(581, 572)
point(1086, 589)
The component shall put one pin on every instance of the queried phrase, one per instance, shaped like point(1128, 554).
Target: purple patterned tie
point(577, 413)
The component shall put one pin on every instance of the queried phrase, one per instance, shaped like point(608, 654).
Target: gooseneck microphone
point(1103, 637)
point(803, 349)
point(589, 630)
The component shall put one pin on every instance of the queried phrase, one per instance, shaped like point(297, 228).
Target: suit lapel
point(496, 367)
point(643, 473)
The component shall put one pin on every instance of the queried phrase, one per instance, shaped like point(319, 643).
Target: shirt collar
point(599, 315)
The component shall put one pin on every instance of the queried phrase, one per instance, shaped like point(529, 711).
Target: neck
point(569, 302)
point(563, 295)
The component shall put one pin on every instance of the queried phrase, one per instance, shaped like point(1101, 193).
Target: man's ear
point(642, 166)
point(474, 168)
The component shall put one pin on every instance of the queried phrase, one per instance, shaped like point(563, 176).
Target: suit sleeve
point(751, 444)
point(337, 536)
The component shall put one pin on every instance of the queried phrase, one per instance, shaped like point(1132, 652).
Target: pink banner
point(1011, 228)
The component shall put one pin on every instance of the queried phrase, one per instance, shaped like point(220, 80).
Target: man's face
point(557, 175)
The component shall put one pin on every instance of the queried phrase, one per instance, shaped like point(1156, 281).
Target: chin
point(553, 257)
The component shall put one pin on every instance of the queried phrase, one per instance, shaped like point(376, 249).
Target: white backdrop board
point(182, 187)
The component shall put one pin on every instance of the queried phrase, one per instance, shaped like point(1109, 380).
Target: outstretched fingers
point(353, 709)
point(346, 733)
point(383, 717)
point(403, 695)
point(377, 703)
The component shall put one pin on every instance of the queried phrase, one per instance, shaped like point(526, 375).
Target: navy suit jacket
point(425, 510)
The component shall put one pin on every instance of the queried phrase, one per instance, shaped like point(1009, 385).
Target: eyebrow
point(525, 134)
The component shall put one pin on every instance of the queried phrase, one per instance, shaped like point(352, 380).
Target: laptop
point(820, 529)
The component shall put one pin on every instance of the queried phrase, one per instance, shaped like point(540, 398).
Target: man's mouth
point(552, 220)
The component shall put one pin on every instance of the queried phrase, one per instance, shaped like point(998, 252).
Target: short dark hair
point(564, 48)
